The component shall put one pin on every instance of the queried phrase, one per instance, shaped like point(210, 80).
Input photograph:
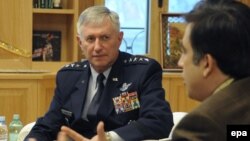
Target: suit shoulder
point(76, 66)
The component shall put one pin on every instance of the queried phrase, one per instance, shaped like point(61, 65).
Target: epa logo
point(238, 134)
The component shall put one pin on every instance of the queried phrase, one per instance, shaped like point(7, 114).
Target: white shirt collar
point(94, 74)
point(223, 85)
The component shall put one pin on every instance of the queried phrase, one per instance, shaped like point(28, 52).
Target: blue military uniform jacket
point(133, 104)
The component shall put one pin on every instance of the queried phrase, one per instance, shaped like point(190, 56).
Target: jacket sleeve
point(198, 127)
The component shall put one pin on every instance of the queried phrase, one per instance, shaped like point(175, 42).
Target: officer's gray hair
point(96, 15)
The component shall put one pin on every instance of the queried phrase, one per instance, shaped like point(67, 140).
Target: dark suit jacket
point(129, 75)
point(209, 121)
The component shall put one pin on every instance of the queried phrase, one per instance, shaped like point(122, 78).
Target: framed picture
point(172, 31)
point(46, 46)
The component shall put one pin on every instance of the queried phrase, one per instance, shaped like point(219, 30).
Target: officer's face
point(100, 44)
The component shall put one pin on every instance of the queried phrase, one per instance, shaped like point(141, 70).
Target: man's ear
point(79, 40)
point(120, 37)
point(208, 64)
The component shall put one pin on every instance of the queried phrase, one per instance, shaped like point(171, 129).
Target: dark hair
point(222, 29)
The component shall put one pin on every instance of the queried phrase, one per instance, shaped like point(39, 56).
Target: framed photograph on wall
point(172, 31)
point(46, 46)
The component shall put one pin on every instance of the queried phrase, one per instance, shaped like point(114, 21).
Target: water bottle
point(15, 127)
point(3, 129)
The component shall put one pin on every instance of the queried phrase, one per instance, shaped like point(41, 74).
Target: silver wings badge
point(125, 86)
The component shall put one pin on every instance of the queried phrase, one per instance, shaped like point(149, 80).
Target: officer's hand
point(67, 134)
point(31, 139)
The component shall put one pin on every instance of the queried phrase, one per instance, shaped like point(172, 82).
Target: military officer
point(122, 92)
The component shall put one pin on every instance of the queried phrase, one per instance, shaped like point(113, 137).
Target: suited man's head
point(216, 46)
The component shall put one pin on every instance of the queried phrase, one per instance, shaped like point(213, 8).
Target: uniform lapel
point(79, 95)
point(111, 90)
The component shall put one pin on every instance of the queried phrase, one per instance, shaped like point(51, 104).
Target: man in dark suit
point(216, 70)
point(131, 104)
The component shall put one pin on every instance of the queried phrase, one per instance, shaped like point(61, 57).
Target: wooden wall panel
point(19, 97)
point(45, 95)
point(176, 93)
point(27, 94)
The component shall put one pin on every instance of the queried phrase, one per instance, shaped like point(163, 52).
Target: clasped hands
point(67, 134)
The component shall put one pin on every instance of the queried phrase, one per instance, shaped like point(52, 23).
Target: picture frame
point(172, 31)
point(46, 45)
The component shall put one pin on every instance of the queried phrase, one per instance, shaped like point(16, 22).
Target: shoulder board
point(76, 66)
point(136, 60)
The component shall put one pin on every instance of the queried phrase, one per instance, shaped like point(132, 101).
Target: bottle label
point(3, 133)
point(13, 136)
point(3, 136)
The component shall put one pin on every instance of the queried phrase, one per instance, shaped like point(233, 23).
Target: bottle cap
point(2, 118)
point(16, 116)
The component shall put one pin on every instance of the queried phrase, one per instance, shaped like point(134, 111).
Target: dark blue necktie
point(95, 103)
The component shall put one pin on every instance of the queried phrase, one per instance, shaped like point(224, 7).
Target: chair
point(177, 116)
point(25, 131)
